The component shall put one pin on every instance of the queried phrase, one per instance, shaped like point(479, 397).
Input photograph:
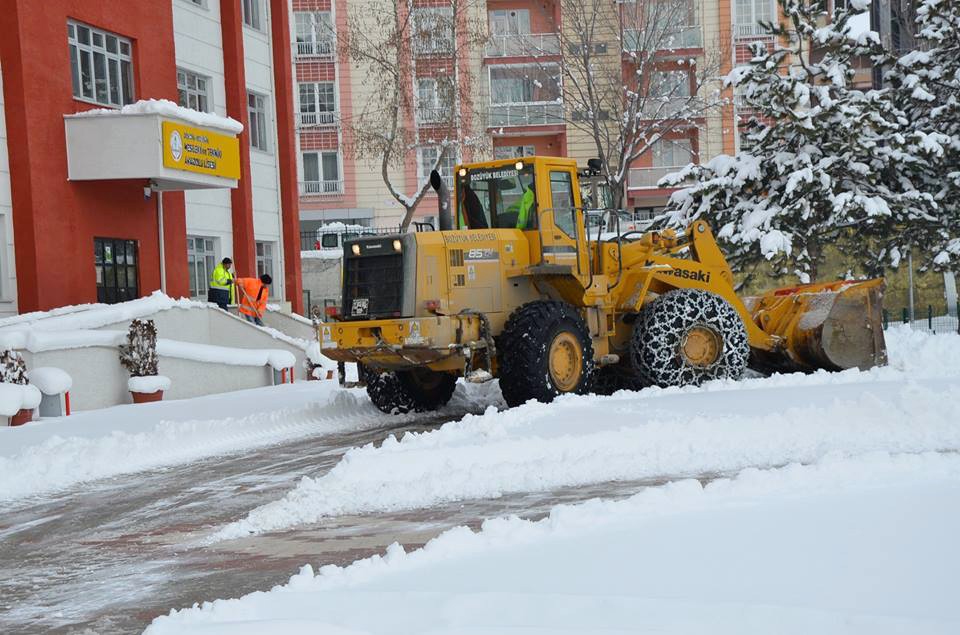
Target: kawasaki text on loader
point(519, 290)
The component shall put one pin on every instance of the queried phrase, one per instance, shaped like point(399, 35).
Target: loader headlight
point(396, 245)
point(463, 171)
point(519, 165)
point(355, 249)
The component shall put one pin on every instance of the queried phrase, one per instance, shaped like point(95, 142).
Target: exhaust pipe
point(443, 197)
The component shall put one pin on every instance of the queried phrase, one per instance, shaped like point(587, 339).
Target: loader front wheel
point(415, 390)
point(545, 350)
point(689, 336)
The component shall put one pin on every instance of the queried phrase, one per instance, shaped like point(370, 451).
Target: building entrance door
point(117, 266)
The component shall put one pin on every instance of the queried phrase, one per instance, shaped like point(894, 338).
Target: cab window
point(497, 197)
point(561, 194)
point(329, 241)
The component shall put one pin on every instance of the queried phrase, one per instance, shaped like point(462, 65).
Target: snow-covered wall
point(197, 37)
point(8, 276)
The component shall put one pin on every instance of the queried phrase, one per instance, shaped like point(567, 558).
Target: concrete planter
point(24, 415)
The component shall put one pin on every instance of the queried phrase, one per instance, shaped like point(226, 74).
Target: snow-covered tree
point(926, 86)
point(139, 354)
point(824, 157)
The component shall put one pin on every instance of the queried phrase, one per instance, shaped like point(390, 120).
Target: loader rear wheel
point(610, 379)
point(545, 350)
point(415, 390)
point(689, 336)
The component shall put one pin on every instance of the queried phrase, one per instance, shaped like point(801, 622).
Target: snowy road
point(112, 555)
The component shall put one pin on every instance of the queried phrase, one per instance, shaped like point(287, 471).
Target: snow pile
point(16, 397)
point(148, 385)
point(50, 381)
point(61, 452)
point(166, 108)
point(656, 432)
point(844, 546)
point(276, 358)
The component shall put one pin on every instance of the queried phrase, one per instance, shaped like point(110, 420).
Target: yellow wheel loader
point(515, 286)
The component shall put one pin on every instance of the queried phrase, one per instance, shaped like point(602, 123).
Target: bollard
point(930, 317)
point(906, 316)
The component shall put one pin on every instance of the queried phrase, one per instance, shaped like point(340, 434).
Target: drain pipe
point(163, 263)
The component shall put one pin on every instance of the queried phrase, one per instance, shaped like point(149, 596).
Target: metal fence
point(935, 320)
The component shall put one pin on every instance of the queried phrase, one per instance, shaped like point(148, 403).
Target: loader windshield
point(497, 197)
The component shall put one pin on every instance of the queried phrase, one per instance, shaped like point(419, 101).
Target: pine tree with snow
point(139, 354)
point(823, 156)
point(926, 86)
point(13, 370)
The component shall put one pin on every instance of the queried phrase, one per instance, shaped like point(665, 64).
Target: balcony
point(523, 45)
point(535, 114)
point(324, 49)
point(321, 189)
point(313, 119)
point(680, 37)
point(671, 107)
point(647, 178)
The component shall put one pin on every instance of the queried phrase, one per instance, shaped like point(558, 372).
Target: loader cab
point(537, 195)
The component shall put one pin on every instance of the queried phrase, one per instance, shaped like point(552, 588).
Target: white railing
point(321, 188)
point(324, 48)
point(523, 45)
point(750, 30)
point(543, 114)
point(433, 114)
point(433, 45)
point(647, 178)
point(308, 119)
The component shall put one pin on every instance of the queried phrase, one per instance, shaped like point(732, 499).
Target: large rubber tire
point(417, 390)
point(531, 334)
point(659, 347)
point(610, 379)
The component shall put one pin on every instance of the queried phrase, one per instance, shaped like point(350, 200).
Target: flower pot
point(146, 397)
point(24, 415)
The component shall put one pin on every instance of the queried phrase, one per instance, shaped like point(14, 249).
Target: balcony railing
point(322, 189)
point(523, 45)
point(681, 37)
point(750, 30)
point(324, 48)
point(433, 45)
point(433, 114)
point(670, 107)
point(647, 178)
point(308, 119)
point(525, 114)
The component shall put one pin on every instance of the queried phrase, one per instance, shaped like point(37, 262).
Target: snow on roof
point(167, 108)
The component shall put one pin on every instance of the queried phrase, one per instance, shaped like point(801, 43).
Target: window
point(671, 153)
point(432, 30)
point(251, 14)
point(318, 104)
point(116, 262)
point(510, 152)
point(201, 261)
point(434, 99)
point(561, 200)
point(194, 90)
point(674, 24)
point(314, 31)
point(427, 158)
point(265, 261)
point(524, 84)
point(670, 84)
point(494, 197)
point(510, 22)
point(748, 15)
point(101, 65)
point(321, 173)
point(257, 108)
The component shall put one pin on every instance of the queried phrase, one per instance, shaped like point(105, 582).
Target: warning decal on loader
point(327, 338)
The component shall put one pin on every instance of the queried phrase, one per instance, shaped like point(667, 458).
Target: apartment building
point(85, 214)
point(516, 96)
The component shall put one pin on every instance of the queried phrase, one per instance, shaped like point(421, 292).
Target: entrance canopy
point(175, 148)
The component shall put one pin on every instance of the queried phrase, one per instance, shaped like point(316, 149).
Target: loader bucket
point(834, 326)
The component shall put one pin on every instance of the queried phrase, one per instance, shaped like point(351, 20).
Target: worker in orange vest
point(252, 293)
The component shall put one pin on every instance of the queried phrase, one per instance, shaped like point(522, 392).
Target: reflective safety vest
point(222, 279)
point(526, 204)
point(253, 296)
